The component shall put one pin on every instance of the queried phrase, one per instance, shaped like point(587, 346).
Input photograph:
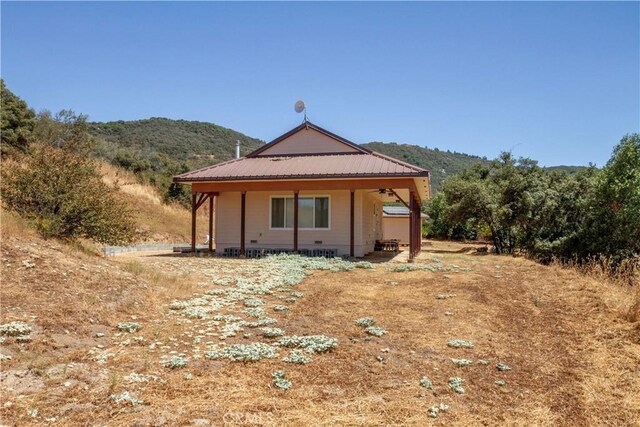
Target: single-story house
point(307, 191)
point(395, 223)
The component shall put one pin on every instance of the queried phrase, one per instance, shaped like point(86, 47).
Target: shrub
point(18, 122)
point(460, 344)
point(311, 343)
point(130, 327)
point(14, 329)
point(365, 322)
point(175, 362)
point(127, 398)
point(462, 362)
point(502, 367)
point(272, 332)
point(426, 383)
point(297, 357)
point(375, 331)
point(280, 381)
point(434, 410)
point(244, 352)
point(62, 193)
point(456, 384)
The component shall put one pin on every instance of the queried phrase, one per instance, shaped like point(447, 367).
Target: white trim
point(307, 196)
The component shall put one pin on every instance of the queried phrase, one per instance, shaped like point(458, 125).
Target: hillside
point(193, 142)
point(158, 148)
point(441, 164)
point(144, 339)
point(161, 222)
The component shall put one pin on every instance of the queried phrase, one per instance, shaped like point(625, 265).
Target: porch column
point(352, 225)
point(211, 196)
point(193, 222)
point(243, 211)
point(412, 225)
point(418, 229)
point(295, 221)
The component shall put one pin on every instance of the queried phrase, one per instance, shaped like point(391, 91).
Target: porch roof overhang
point(368, 170)
point(401, 186)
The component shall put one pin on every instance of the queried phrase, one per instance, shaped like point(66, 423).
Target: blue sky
point(557, 82)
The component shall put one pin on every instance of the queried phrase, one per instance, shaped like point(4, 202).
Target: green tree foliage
point(60, 190)
point(156, 149)
point(441, 164)
point(439, 226)
point(613, 222)
point(523, 206)
point(17, 121)
point(549, 214)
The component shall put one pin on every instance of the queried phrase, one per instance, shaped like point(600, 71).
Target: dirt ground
point(574, 360)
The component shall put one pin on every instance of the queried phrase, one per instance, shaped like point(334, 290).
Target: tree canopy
point(17, 122)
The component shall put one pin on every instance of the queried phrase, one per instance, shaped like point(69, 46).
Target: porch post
point(352, 227)
point(211, 196)
point(243, 210)
point(417, 225)
point(193, 223)
point(295, 221)
point(412, 229)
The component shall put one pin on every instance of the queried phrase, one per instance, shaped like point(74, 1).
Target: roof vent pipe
point(238, 149)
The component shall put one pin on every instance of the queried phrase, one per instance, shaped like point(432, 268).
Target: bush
point(17, 122)
point(62, 193)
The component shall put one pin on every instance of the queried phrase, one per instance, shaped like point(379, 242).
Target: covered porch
point(385, 190)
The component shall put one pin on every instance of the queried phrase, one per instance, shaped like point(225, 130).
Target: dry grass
point(573, 352)
point(162, 222)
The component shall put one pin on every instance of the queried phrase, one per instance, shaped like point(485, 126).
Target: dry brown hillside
point(161, 221)
point(572, 353)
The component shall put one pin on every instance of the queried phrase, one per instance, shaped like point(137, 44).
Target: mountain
point(192, 143)
point(155, 149)
point(441, 164)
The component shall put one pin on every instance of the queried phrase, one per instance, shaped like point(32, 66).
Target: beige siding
point(396, 228)
point(308, 141)
point(367, 227)
point(371, 221)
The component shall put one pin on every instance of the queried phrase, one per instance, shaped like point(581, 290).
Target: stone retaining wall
point(116, 250)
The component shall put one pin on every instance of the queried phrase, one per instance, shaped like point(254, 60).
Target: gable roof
point(356, 162)
point(355, 148)
point(370, 165)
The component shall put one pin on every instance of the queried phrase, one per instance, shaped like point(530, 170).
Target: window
point(313, 212)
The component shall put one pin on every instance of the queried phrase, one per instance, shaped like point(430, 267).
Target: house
point(308, 191)
point(395, 223)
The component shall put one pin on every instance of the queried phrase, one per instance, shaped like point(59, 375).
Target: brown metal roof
point(361, 165)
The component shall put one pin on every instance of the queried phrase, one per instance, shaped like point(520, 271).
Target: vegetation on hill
point(441, 164)
point(156, 149)
point(58, 187)
point(17, 122)
point(520, 207)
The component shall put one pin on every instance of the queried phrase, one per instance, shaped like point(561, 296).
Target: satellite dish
point(299, 107)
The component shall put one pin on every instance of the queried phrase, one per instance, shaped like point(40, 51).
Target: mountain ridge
point(158, 148)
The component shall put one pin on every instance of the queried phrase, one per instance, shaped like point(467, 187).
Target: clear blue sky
point(557, 82)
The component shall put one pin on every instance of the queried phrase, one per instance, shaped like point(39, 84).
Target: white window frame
point(305, 196)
